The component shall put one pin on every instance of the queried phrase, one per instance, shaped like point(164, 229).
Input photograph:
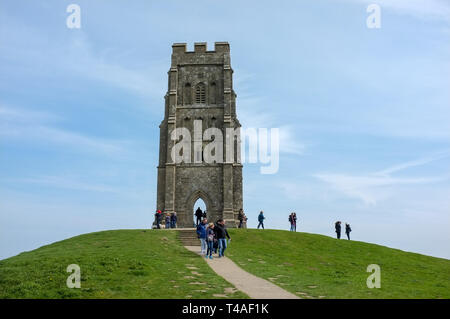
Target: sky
point(363, 114)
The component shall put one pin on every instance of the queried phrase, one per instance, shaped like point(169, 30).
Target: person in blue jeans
point(210, 236)
point(173, 220)
point(261, 219)
point(201, 233)
point(221, 235)
point(167, 221)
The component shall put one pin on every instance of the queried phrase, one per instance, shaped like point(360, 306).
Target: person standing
point(173, 220)
point(337, 227)
point(291, 221)
point(201, 233)
point(204, 214)
point(158, 218)
point(261, 219)
point(241, 217)
point(199, 215)
point(210, 235)
point(348, 230)
point(222, 235)
point(294, 218)
point(167, 220)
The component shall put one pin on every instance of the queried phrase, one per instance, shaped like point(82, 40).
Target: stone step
point(188, 237)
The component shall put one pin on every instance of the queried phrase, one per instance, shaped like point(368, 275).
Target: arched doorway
point(199, 204)
point(199, 198)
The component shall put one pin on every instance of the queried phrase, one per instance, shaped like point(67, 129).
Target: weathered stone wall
point(199, 88)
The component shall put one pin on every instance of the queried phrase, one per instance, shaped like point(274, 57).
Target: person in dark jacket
point(293, 221)
point(337, 227)
point(221, 235)
point(204, 214)
point(173, 220)
point(261, 219)
point(158, 216)
point(199, 215)
point(201, 233)
point(348, 230)
point(210, 235)
point(241, 218)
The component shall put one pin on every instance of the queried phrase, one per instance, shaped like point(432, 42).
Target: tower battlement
point(201, 47)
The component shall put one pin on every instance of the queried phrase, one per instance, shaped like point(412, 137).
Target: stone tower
point(200, 88)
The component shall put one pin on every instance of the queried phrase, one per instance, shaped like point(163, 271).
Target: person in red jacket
point(158, 218)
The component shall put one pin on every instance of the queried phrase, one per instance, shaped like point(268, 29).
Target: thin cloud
point(67, 183)
point(418, 162)
point(25, 125)
point(372, 187)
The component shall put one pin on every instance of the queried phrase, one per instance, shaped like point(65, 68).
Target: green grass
point(114, 264)
point(320, 266)
point(153, 264)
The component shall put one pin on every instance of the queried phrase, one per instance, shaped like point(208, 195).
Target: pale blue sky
point(363, 114)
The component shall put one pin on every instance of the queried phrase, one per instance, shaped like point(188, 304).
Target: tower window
point(212, 93)
point(200, 93)
point(187, 94)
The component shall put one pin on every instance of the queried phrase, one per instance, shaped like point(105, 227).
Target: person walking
point(173, 220)
point(261, 219)
point(241, 218)
point(222, 235)
point(201, 233)
point(158, 218)
point(210, 235)
point(348, 230)
point(199, 215)
point(337, 227)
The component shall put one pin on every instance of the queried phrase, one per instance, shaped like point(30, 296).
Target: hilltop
point(154, 264)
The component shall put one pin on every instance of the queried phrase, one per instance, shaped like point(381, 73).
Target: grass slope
point(318, 266)
point(114, 264)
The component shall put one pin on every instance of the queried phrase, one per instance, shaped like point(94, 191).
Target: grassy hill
point(114, 264)
point(316, 266)
point(153, 264)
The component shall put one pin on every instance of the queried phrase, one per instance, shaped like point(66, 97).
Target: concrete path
point(254, 287)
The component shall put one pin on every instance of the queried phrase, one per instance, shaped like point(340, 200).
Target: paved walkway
point(254, 287)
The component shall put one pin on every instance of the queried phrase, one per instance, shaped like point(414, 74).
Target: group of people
point(215, 235)
point(170, 219)
point(348, 229)
point(213, 238)
point(293, 221)
point(199, 214)
point(242, 219)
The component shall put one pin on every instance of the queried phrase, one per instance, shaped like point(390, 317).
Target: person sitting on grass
point(210, 235)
